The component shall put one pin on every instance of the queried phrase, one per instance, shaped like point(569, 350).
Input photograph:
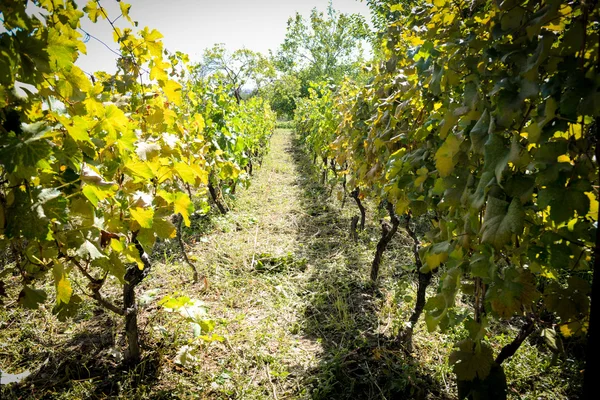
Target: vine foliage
point(482, 116)
point(93, 167)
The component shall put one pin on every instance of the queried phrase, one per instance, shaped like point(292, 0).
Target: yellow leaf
point(117, 245)
point(151, 39)
point(183, 205)
point(187, 173)
point(415, 40)
point(422, 174)
point(158, 69)
point(140, 171)
point(575, 130)
point(166, 196)
point(93, 11)
point(144, 216)
point(444, 157)
point(125, 10)
point(132, 254)
point(63, 286)
point(172, 90)
point(95, 194)
point(593, 212)
point(199, 122)
point(433, 260)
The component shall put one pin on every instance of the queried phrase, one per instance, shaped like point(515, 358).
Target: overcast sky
point(191, 26)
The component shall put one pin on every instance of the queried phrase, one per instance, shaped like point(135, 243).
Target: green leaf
point(435, 255)
point(513, 293)
point(471, 360)
point(564, 202)
point(61, 49)
point(493, 387)
point(497, 155)
point(82, 212)
point(448, 123)
point(95, 194)
point(31, 152)
point(31, 298)
point(479, 133)
point(64, 311)
point(77, 127)
point(501, 221)
point(88, 249)
point(175, 303)
point(483, 265)
point(539, 55)
point(164, 228)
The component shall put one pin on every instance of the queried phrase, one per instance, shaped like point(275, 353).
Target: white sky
point(191, 26)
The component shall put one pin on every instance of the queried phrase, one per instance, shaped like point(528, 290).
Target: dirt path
point(292, 294)
point(273, 262)
point(258, 274)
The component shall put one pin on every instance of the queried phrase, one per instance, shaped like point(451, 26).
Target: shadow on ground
point(85, 356)
point(342, 306)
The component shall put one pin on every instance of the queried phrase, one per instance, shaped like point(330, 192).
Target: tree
point(239, 68)
point(282, 95)
point(327, 46)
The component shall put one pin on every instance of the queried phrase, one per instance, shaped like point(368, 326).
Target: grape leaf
point(62, 284)
point(63, 311)
point(501, 221)
point(444, 157)
point(31, 298)
point(184, 206)
point(513, 293)
point(143, 216)
point(471, 360)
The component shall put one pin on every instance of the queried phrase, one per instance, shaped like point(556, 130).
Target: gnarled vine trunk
point(387, 233)
point(133, 277)
point(424, 279)
point(355, 195)
point(183, 252)
point(215, 195)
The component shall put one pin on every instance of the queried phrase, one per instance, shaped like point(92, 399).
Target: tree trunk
point(510, 349)
point(345, 191)
point(353, 232)
point(325, 170)
point(424, 279)
point(133, 276)
point(236, 94)
point(181, 246)
point(250, 168)
point(131, 328)
point(355, 193)
point(387, 233)
point(216, 199)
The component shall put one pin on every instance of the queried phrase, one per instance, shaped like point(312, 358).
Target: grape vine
point(482, 116)
point(94, 167)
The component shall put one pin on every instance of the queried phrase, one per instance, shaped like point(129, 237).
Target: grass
point(288, 290)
